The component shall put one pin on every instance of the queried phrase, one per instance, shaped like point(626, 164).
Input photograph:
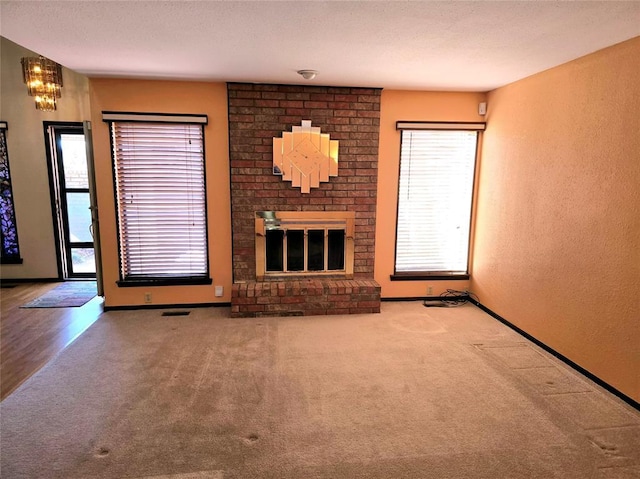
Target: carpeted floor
point(69, 294)
point(409, 393)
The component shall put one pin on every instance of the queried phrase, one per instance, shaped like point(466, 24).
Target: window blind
point(434, 201)
point(161, 199)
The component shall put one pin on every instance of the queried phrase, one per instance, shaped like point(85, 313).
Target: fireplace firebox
point(294, 244)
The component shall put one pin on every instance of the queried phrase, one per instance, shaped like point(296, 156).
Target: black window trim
point(129, 116)
point(429, 276)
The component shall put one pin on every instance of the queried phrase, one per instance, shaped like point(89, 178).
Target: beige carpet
point(409, 393)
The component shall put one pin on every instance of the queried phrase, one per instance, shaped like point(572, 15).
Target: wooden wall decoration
point(305, 156)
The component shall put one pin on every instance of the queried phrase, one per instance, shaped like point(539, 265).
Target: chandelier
point(43, 78)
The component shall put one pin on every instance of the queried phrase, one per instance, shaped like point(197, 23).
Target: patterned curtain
point(9, 231)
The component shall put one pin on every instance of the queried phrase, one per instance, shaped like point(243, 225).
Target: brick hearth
point(305, 297)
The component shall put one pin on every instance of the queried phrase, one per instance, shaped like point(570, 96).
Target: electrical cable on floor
point(450, 298)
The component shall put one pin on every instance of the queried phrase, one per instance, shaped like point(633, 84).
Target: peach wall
point(557, 242)
point(409, 106)
point(165, 97)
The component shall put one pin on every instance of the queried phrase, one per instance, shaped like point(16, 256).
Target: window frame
point(401, 126)
point(111, 117)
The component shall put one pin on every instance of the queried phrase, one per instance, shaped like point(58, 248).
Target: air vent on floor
point(175, 313)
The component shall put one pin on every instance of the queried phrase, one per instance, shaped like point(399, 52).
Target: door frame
point(95, 216)
point(58, 210)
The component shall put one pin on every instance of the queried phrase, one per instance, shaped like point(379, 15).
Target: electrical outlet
point(429, 290)
point(147, 298)
point(219, 291)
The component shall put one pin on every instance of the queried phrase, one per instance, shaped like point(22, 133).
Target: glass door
point(70, 182)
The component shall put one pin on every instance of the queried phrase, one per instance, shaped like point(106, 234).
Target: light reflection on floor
point(79, 320)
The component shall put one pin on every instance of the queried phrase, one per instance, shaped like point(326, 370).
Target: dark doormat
point(68, 295)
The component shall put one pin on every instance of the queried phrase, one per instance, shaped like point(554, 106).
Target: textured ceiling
point(452, 45)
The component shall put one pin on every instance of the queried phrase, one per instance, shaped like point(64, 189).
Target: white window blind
point(434, 201)
point(161, 204)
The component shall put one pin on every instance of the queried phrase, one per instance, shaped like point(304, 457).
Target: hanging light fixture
point(44, 80)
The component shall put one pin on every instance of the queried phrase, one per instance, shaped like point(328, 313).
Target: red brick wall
point(257, 114)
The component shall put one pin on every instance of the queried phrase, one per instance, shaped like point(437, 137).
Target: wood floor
point(29, 338)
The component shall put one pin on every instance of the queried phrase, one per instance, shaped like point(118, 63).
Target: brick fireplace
point(257, 114)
